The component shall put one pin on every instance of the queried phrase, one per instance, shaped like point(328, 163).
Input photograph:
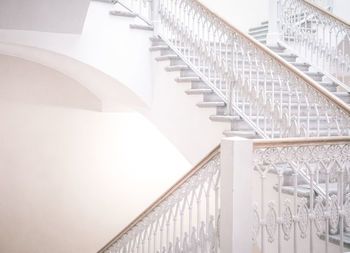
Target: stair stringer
point(177, 116)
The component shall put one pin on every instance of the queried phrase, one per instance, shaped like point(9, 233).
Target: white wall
point(43, 15)
point(341, 9)
point(70, 177)
point(106, 44)
point(241, 14)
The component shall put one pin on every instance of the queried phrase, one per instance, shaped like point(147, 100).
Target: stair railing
point(143, 8)
point(184, 218)
point(275, 99)
point(295, 215)
point(317, 35)
point(251, 194)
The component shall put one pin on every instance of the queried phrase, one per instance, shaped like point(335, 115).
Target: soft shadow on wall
point(47, 87)
point(72, 177)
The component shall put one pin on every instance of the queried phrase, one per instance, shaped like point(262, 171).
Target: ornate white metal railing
point(143, 8)
point(299, 211)
point(275, 99)
point(184, 219)
point(318, 36)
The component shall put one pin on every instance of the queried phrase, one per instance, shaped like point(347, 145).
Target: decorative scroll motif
point(183, 223)
point(320, 218)
point(303, 217)
point(287, 220)
point(271, 98)
point(256, 223)
point(271, 222)
point(320, 38)
point(311, 193)
point(334, 214)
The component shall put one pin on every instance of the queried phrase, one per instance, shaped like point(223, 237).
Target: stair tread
point(198, 91)
point(211, 104)
point(176, 68)
point(141, 27)
point(122, 13)
point(166, 57)
point(187, 79)
point(263, 26)
point(224, 118)
point(158, 47)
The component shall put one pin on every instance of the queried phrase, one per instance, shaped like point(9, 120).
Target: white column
point(273, 34)
point(236, 195)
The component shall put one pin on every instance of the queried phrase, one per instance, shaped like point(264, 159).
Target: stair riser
point(303, 67)
point(258, 32)
point(346, 99)
point(289, 58)
point(262, 27)
point(317, 78)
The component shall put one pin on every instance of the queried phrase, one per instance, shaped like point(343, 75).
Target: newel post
point(155, 16)
point(273, 32)
point(236, 195)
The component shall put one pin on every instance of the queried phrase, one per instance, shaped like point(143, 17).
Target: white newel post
point(273, 33)
point(236, 195)
point(155, 16)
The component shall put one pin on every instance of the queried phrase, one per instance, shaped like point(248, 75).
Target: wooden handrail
point(284, 63)
point(290, 142)
point(325, 12)
point(257, 143)
point(165, 195)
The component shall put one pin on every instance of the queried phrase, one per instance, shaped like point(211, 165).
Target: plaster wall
point(72, 177)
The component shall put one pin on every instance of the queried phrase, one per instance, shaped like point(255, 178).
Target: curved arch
point(113, 95)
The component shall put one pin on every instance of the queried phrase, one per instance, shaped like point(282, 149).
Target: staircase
point(237, 126)
point(242, 122)
point(260, 34)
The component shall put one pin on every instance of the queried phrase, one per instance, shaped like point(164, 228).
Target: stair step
point(122, 14)
point(187, 79)
point(167, 57)
point(301, 66)
point(317, 76)
point(176, 68)
point(288, 57)
point(277, 49)
point(260, 37)
point(261, 27)
point(246, 134)
point(224, 118)
point(211, 104)
point(329, 86)
point(198, 91)
point(345, 96)
point(141, 27)
point(158, 48)
point(257, 32)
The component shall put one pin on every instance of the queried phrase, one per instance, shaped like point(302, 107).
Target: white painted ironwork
point(319, 37)
point(143, 8)
point(270, 97)
point(186, 221)
point(313, 209)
